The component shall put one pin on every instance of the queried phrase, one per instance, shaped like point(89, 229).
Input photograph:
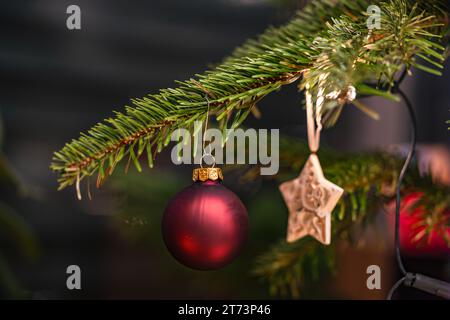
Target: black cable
point(412, 148)
point(400, 79)
point(411, 151)
point(395, 287)
point(415, 280)
point(433, 286)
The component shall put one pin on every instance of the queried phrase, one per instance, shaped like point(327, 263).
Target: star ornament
point(310, 199)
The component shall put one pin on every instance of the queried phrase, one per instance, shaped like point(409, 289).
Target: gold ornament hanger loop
point(208, 155)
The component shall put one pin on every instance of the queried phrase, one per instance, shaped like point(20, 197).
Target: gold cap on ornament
point(204, 174)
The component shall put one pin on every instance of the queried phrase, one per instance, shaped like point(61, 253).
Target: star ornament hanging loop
point(311, 198)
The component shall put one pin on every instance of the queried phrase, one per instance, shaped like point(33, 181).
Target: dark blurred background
point(55, 83)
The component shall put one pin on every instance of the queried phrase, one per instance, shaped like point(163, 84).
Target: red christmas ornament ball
point(205, 226)
point(415, 239)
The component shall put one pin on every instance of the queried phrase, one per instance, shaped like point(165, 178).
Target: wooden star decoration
point(310, 199)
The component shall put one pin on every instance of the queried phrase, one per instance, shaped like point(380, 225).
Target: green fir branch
point(306, 259)
point(327, 38)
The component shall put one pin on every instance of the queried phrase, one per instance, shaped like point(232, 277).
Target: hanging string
point(206, 127)
point(89, 187)
point(77, 185)
point(204, 153)
point(314, 126)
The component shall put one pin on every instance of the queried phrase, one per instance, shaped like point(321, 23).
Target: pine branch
point(323, 39)
point(307, 261)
